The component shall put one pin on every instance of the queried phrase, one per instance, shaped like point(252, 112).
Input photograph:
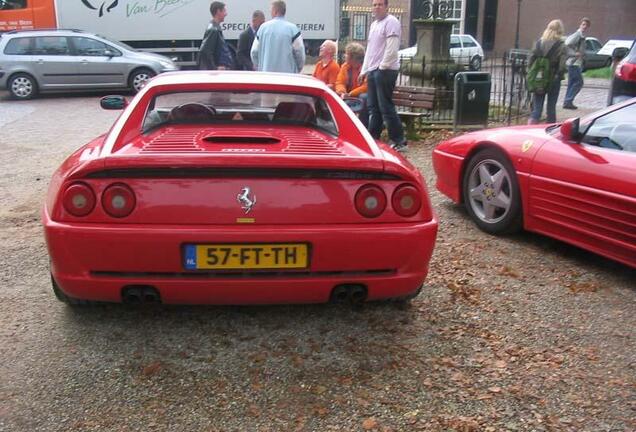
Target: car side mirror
point(619, 53)
point(110, 53)
point(113, 102)
point(570, 129)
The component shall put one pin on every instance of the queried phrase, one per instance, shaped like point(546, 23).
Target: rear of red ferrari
point(307, 219)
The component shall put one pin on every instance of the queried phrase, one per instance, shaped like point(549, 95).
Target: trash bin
point(472, 98)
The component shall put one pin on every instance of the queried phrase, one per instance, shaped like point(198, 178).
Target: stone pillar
point(432, 59)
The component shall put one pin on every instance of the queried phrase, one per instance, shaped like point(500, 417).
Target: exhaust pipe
point(354, 294)
point(140, 294)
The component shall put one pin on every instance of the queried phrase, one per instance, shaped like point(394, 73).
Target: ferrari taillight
point(78, 199)
point(118, 200)
point(406, 200)
point(370, 201)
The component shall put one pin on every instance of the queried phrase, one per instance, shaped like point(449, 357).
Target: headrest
point(295, 111)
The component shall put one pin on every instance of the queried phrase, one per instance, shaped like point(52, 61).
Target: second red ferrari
point(574, 181)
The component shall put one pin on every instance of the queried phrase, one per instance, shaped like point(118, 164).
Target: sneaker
point(570, 106)
point(402, 147)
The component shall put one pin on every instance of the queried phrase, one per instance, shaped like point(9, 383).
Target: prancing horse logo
point(101, 8)
point(245, 200)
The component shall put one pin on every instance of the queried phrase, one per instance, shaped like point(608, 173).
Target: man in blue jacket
point(278, 46)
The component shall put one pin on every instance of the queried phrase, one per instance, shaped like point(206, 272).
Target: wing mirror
point(619, 53)
point(109, 53)
point(113, 102)
point(570, 129)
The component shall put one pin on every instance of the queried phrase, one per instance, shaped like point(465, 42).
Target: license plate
point(246, 256)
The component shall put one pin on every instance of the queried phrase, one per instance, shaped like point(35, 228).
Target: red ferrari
point(236, 188)
point(574, 181)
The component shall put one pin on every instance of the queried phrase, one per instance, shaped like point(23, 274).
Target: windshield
point(240, 108)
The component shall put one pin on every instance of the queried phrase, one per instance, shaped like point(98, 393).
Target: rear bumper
point(95, 262)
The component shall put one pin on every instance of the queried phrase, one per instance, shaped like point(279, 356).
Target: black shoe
point(570, 106)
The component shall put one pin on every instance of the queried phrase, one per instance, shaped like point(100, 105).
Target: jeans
point(537, 104)
point(380, 85)
point(575, 84)
point(363, 115)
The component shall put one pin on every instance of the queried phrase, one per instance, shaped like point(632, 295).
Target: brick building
point(611, 19)
point(494, 22)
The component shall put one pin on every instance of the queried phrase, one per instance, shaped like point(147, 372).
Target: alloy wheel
point(140, 80)
point(490, 191)
point(22, 87)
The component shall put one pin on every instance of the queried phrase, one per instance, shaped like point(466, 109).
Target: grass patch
point(605, 72)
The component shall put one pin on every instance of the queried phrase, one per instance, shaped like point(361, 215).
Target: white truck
point(170, 27)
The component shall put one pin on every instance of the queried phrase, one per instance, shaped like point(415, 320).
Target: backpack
point(543, 70)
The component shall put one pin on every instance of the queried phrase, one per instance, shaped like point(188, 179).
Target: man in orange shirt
point(347, 82)
point(327, 68)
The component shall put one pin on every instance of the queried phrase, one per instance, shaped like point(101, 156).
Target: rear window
point(19, 46)
point(468, 42)
point(240, 108)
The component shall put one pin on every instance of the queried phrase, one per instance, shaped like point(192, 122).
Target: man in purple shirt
point(381, 66)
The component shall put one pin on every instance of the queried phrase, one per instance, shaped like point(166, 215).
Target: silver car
point(463, 49)
point(35, 61)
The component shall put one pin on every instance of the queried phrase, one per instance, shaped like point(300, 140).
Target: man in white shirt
point(380, 66)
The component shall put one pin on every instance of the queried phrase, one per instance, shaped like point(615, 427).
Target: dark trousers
point(550, 108)
point(380, 85)
point(575, 84)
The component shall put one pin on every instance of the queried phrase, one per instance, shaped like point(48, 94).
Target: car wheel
point(475, 63)
point(22, 86)
point(491, 193)
point(139, 78)
point(59, 294)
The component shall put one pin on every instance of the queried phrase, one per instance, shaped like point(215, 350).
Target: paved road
point(463, 357)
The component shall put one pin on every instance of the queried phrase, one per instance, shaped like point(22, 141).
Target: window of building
point(12, 4)
point(359, 27)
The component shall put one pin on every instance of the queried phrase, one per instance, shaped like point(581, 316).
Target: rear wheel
point(139, 78)
point(22, 86)
point(491, 192)
point(475, 63)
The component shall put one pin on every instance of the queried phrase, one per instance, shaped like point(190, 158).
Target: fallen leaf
point(152, 369)
point(369, 423)
point(500, 364)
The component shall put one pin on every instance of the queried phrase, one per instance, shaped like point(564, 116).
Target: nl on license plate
point(246, 256)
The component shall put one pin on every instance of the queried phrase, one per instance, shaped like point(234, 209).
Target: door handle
point(40, 61)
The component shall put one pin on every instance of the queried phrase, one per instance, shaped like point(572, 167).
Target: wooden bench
point(412, 103)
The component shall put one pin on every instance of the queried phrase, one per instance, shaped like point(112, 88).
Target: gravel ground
point(522, 333)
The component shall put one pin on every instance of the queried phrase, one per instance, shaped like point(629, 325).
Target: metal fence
point(509, 98)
